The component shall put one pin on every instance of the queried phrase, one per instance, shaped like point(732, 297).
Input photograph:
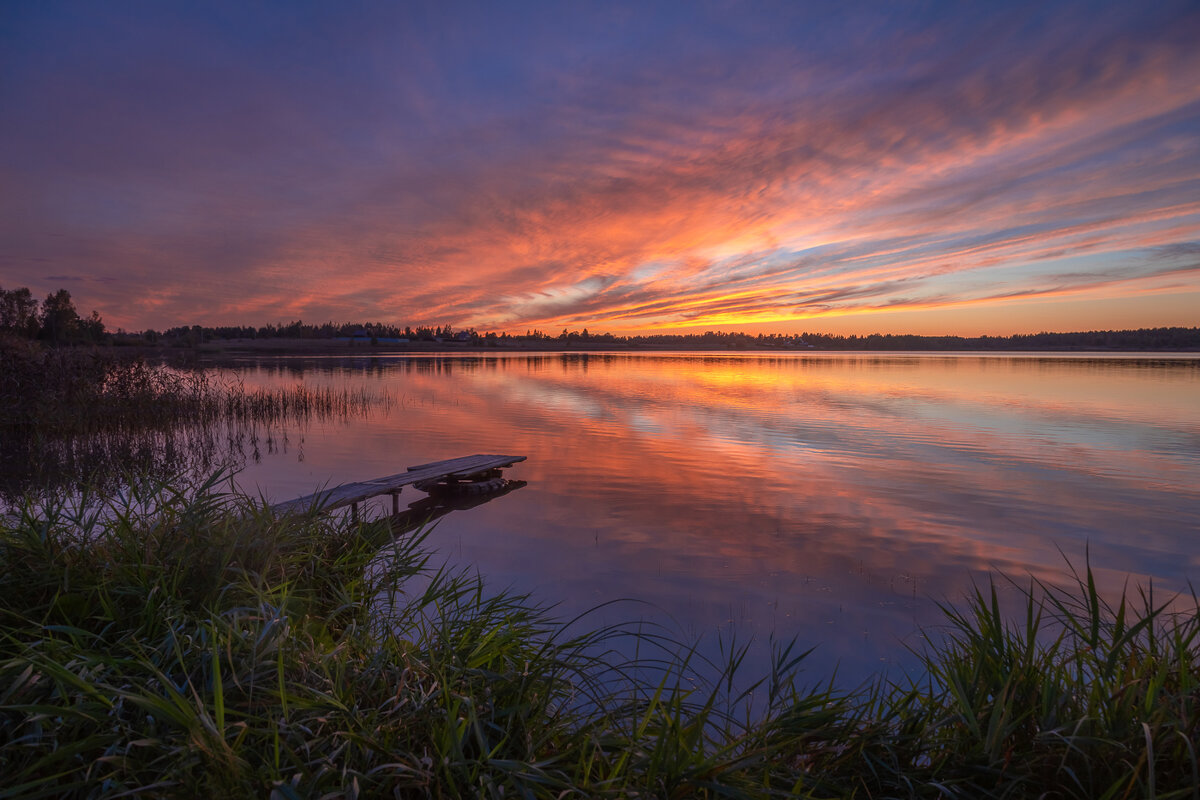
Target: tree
point(18, 312)
point(60, 320)
point(92, 328)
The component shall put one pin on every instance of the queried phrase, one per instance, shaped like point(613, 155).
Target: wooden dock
point(422, 475)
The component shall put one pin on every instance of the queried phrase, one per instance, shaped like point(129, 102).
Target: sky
point(844, 167)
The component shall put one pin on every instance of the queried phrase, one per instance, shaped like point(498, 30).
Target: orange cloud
point(716, 194)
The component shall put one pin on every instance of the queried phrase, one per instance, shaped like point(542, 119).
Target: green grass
point(189, 643)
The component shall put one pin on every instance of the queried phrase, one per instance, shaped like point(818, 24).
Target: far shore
point(325, 347)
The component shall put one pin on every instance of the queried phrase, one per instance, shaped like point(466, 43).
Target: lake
point(830, 498)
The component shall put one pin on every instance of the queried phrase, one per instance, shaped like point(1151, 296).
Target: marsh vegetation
point(88, 415)
point(172, 642)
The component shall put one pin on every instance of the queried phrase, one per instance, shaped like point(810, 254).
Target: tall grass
point(76, 391)
point(1077, 695)
point(70, 416)
point(190, 643)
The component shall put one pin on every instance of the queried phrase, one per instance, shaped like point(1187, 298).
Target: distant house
point(462, 336)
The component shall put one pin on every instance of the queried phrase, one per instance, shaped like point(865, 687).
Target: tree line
point(55, 319)
point(1173, 338)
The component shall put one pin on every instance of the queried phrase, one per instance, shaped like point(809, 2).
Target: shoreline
point(333, 347)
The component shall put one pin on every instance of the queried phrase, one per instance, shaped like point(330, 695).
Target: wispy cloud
point(626, 170)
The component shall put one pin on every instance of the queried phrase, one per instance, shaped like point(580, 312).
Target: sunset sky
point(843, 167)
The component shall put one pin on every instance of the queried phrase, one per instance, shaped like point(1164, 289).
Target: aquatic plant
point(79, 390)
point(80, 415)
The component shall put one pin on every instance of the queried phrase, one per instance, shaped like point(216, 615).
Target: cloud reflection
point(832, 498)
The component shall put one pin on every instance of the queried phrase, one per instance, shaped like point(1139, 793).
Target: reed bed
point(69, 392)
point(72, 416)
point(190, 643)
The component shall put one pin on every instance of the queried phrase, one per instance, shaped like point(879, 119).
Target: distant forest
point(1141, 339)
point(56, 320)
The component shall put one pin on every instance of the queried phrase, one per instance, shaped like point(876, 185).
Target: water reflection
point(212, 423)
point(422, 513)
point(827, 497)
point(104, 460)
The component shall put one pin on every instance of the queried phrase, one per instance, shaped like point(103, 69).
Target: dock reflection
point(424, 512)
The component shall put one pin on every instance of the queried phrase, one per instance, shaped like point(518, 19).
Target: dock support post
point(354, 513)
point(395, 502)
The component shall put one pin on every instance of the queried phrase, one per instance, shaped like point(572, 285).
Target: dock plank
point(351, 493)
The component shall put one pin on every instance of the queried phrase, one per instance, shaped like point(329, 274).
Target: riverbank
point(190, 642)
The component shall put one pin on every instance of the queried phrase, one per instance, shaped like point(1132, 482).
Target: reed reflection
point(121, 419)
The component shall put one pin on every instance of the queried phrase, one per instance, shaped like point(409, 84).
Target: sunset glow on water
point(831, 498)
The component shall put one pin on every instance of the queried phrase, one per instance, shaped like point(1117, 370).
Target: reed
point(79, 391)
point(71, 416)
point(189, 642)
point(1072, 695)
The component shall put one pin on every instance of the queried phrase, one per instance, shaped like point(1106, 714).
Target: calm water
point(832, 498)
